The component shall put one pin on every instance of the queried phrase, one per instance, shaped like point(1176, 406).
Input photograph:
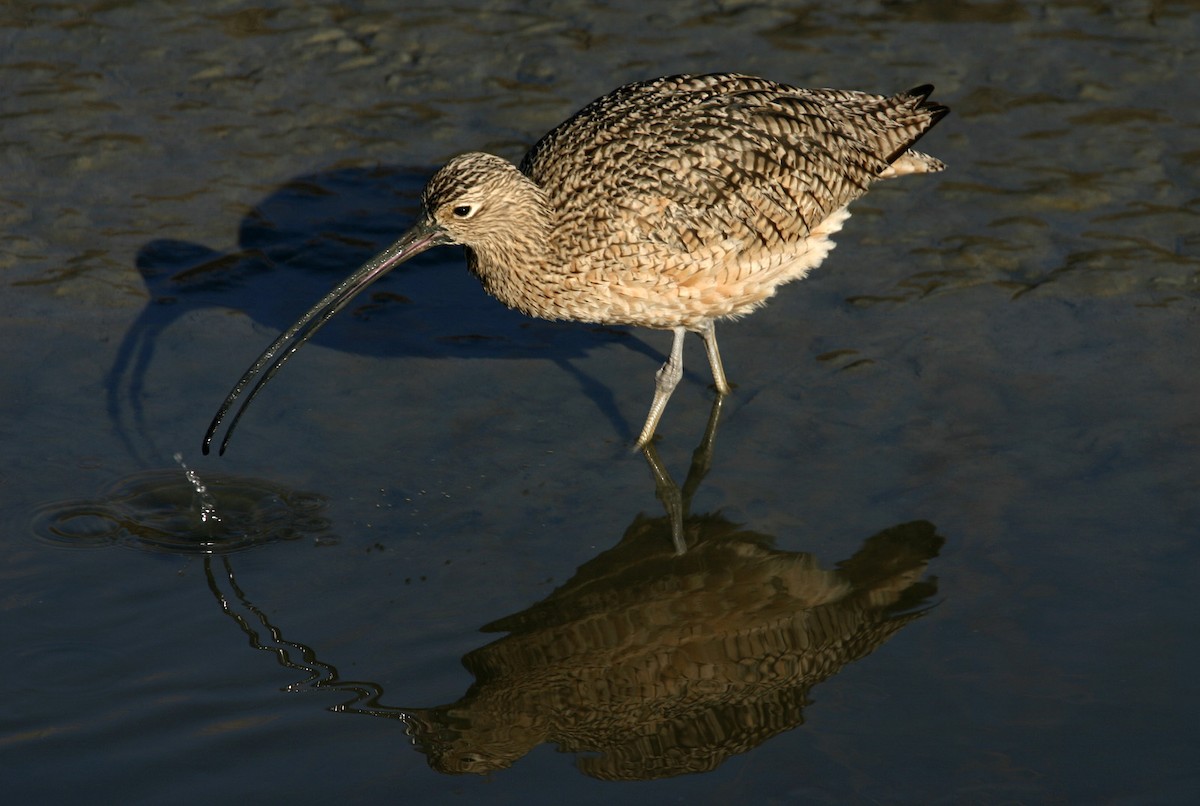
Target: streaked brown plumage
point(666, 204)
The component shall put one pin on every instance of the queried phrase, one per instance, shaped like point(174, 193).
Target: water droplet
point(165, 510)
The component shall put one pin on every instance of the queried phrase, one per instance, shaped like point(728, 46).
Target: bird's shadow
point(304, 238)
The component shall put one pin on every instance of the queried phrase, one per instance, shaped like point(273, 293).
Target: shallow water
point(439, 552)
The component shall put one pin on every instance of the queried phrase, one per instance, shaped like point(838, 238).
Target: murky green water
point(945, 547)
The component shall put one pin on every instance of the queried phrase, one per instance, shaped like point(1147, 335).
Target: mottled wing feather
point(714, 184)
point(703, 141)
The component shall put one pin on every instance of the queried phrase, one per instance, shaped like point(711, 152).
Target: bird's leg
point(668, 492)
point(702, 456)
point(676, 500)
point(709, 334)
point(665, 381)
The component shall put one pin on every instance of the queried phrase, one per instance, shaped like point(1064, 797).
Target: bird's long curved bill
point(421, 237)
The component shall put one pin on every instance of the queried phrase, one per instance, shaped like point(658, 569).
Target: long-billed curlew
point(668, 204)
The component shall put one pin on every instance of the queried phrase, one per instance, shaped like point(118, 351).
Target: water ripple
point(162, 510)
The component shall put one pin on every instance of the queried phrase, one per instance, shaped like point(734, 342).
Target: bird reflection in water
point(691, 640)
point(651, 662)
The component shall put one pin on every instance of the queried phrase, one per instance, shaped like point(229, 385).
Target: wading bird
point(665, 204)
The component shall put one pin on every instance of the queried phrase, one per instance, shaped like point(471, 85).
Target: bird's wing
point(687, 163)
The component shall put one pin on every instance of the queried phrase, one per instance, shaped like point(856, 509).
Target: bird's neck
point(518, 264)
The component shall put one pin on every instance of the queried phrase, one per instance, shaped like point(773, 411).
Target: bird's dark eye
point(462, 210)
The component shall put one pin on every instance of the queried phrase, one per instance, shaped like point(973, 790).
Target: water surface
point(966, 446)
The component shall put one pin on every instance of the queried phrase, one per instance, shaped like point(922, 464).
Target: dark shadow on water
point(299, 242)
